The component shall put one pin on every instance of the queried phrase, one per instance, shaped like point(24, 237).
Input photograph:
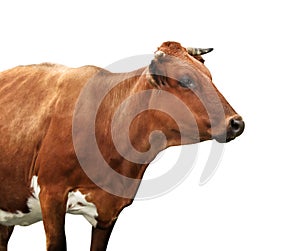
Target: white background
point(252, 202)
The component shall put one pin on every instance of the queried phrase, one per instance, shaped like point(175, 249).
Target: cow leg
point(100, 238)
point(5, 233)
point(53, 206)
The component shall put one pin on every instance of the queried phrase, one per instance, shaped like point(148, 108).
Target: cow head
point(202, 113)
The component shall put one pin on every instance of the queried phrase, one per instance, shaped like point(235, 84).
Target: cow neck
point(124, 126)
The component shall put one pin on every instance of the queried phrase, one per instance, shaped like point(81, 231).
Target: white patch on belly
point(25, 219)
point(77, 204)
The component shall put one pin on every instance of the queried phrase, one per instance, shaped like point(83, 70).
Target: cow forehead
point(180, 53)
point(172, 48)
point(177, 53)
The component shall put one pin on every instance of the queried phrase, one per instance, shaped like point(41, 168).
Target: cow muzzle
point(235, 127)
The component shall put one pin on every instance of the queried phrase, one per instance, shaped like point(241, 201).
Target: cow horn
point(159, 54)
point(198, 51)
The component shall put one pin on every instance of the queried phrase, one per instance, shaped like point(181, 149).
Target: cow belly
point(76, 204)
point(19, 218)
point(25, 219)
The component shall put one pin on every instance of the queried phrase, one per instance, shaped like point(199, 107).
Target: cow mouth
point(224, 140)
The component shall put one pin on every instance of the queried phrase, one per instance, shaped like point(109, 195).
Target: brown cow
point(52, 117)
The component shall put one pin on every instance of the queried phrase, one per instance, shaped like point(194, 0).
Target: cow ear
point(156, 69)
point(199, 58)
point(156, 74)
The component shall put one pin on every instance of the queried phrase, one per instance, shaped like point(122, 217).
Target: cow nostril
point(237, 126)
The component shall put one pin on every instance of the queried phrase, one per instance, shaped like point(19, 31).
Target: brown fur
point(37, 103)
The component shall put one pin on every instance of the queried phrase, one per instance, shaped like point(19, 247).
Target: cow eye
point(186, 82)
